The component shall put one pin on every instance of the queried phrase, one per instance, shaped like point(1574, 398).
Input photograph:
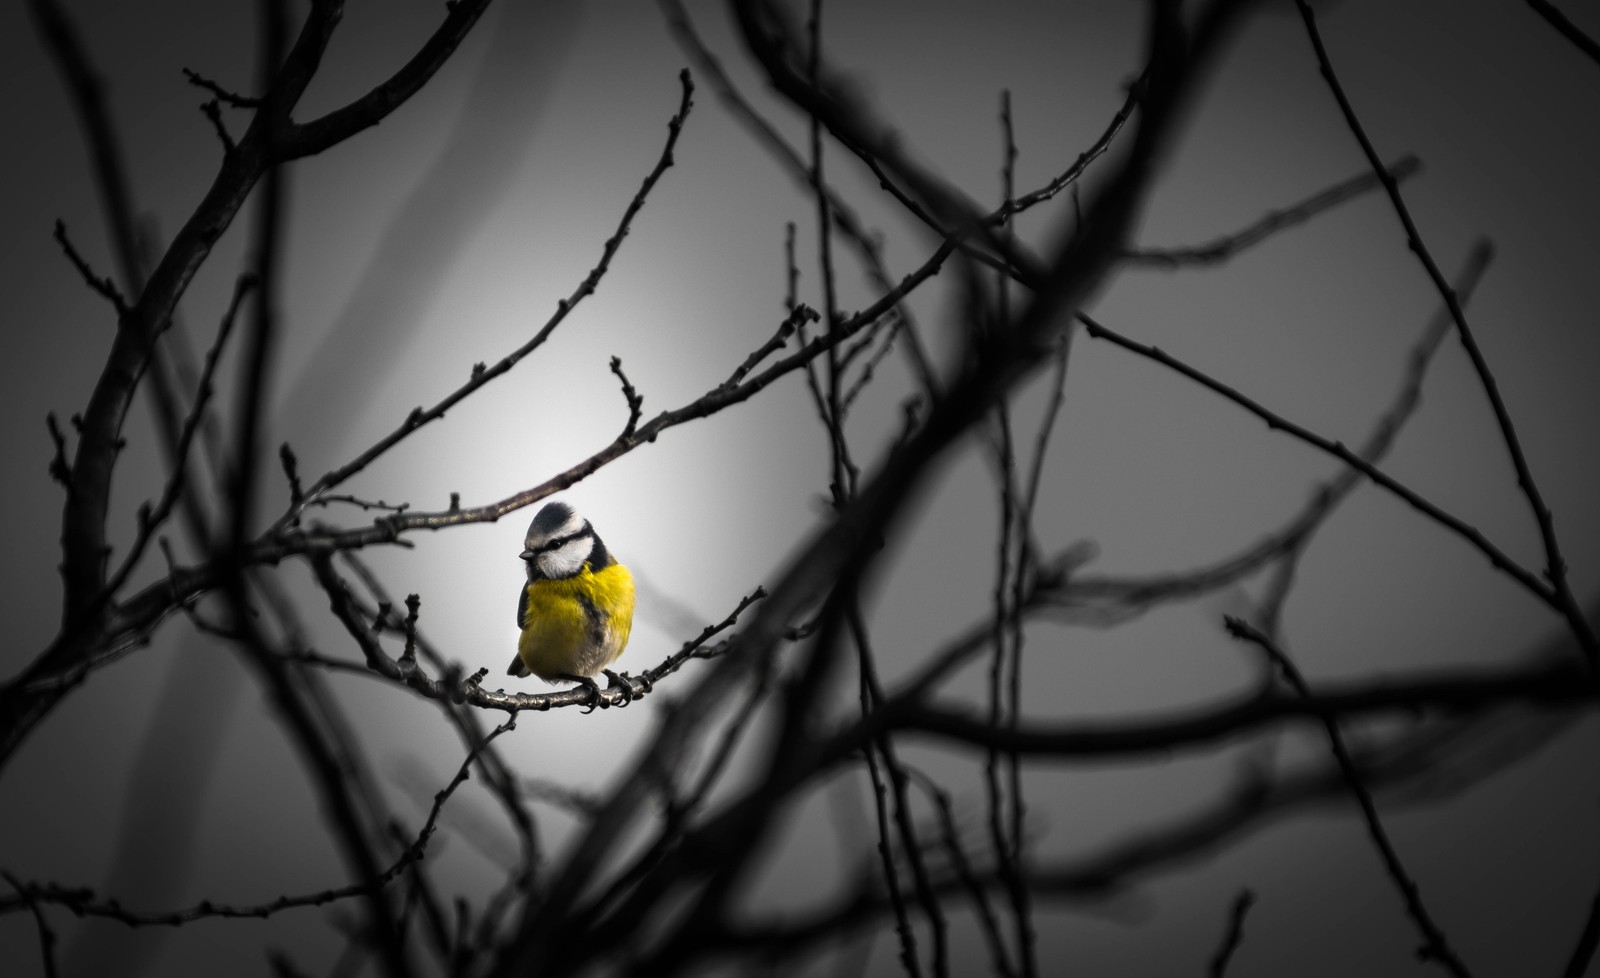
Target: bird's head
point(558, 542)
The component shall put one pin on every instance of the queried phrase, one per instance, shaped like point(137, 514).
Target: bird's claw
point(624, 683)
point(595, 698)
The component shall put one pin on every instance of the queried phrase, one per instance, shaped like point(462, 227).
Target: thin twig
point(785, 330)
point(47, 936)
point(1382, 438)
point(481, 375)
point(231, 98)
point(1008, 606)
point(950, 836)
point(1106, 601)
point(633, 397)
point(151, 518)
point(83, 902)
point(1437, 947)
point(1498, 558)
point(213, 114)
point(102, 285)
point(1555, 570)
point(1234, 935)
point(867, 245)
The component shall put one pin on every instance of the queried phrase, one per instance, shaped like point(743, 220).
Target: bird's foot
point(595, 699)
point(624, 682)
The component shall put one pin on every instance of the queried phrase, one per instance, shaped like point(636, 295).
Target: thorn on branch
point(104, 286)
point(633, 397)
point(381, 619)
point(60, 469)
point(478, 369)
point(455, 502)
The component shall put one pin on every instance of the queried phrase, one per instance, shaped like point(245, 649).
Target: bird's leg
point(594, 689)
point(624, 683)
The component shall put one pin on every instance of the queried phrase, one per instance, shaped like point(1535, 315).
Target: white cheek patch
point(566, 560)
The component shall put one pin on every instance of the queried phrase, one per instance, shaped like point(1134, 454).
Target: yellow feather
point(559, 637)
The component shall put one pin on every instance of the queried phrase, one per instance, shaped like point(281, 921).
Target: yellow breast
point(579, 625)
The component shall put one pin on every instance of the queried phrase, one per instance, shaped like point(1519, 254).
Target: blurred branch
point(47, 937)
point(1234, 936)
point(1455, 691)
point(1405, 765)
point(836, 561)
point(1225, 247)
point(86, 625)
point(1555, 18)
point(83, 902)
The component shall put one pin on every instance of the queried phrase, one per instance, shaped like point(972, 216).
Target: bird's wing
point(517, 667)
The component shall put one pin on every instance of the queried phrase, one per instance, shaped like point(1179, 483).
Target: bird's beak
point(528, 554)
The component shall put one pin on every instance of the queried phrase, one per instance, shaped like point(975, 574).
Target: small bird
point(576, 610)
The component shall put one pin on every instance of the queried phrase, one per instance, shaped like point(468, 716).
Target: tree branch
point(1560, 594)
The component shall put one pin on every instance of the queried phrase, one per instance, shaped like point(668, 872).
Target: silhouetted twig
point(1560, 592)
point(1437, 947)
point(1234, 936)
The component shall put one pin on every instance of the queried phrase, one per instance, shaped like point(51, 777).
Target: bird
point(576, 610)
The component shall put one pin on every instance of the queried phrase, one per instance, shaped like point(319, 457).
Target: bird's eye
point(557, 543)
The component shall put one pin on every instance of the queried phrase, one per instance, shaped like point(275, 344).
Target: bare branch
point(1555, 18)
point(1437, 947)
point(83, 902)
point(335, 127)
point(1234, 936)
point(1555, 570)
point(481, 375)
point(1498, 558)
point(633, 397)
point(213, 114)
point(60, 468)
point(1459, 691)
point(151, 518)
point(796, 317)
point(1228, 245)
point(1105, 601)
point(223, 95)
point(106, 288)
point(47, 937)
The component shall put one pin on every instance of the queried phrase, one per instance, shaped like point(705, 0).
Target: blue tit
point(576, 610)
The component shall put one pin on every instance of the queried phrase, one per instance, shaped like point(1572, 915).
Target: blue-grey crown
point(550, 519)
